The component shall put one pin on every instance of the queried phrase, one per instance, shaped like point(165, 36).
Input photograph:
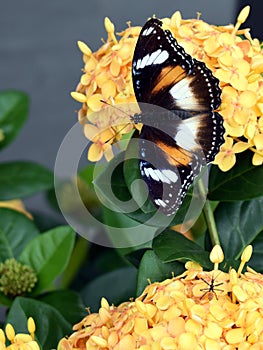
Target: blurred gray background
point(39, 55)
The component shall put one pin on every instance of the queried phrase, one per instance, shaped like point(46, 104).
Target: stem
point(209, 216)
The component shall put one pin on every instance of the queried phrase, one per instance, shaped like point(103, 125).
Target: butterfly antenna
point(119, 109)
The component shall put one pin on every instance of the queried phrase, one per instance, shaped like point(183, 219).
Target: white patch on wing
point(161, 57)
point(147, 31)
point(157, 57)
point(165, 175)
point(171, 175)
point(187, 133)
point(160, 202)
point(184, 95)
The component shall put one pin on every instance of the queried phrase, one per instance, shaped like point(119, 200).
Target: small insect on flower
point(211, 290)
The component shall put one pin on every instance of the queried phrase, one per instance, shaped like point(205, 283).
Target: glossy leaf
point(256, 261)
point(49, 254)
point(116, 286)
point(127, 233)
point(171, 246)
point(242, 182)
point(14, 106)
point(111, 186)
point(238, 225)
point(153, 269)
point(16, 231)
point(51, 326)
point(22, 179)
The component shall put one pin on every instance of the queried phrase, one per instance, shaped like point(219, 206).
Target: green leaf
point(153, 269)
point(67, 302)
point(238, 224)
point(49, 254)
point(242, 182)
point(16, 231)
point(127, 233)
point(14, 107)
point(51, 326)
point(22, 179)
point(87, 173)
point(111, 186)
point(116, 286)
point(171, 246)
point(256, 261)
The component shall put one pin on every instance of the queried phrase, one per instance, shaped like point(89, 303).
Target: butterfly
point(176, 143)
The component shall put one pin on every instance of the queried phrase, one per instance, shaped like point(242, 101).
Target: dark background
point(39, 55)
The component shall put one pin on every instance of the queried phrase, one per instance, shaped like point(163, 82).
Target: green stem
point(209, 216)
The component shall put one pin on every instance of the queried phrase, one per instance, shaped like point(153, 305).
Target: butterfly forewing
point(166, 76)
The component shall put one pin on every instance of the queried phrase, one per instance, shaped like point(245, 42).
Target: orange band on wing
point(177, 156)
point(169, 76)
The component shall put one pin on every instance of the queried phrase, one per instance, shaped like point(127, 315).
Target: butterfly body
point(186, 132)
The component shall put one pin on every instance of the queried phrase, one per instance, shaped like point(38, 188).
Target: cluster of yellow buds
point(196, 310)
point(233, 56)
point(19, 341)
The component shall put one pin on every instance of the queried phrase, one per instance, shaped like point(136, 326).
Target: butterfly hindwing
point(165, 75)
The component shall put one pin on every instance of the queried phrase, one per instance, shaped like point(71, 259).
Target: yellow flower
point(238, 64)
point(227, 156)
point(21, 340)
point(196, 310)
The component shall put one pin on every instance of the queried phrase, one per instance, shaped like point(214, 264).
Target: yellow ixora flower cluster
point(233, 56)
point(196, 310)
point(19, 341)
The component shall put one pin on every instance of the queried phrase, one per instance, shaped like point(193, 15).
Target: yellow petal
point(109, 26)
point(90, 65)
point(234, 130)
point(243, 66)
point(94, 102)
point(125, 52)
point(31, 325)
point(243, 15)
point(235, 336)
point(78, 96)
point(240, 147)
point(106, 135)
point(257, 159)
point(115, 66)
point(227, 162)
point(187, 341)
point(10, 332)
point(85, 79)
point(223, 75)
point(258, 141)
point(91, 132)
point(102, 77)
point(239, 82)
point(95, 152)
point(108, 89)
point(248, 99)
point(226, 59)
point(84, 48)
point(176, 19)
